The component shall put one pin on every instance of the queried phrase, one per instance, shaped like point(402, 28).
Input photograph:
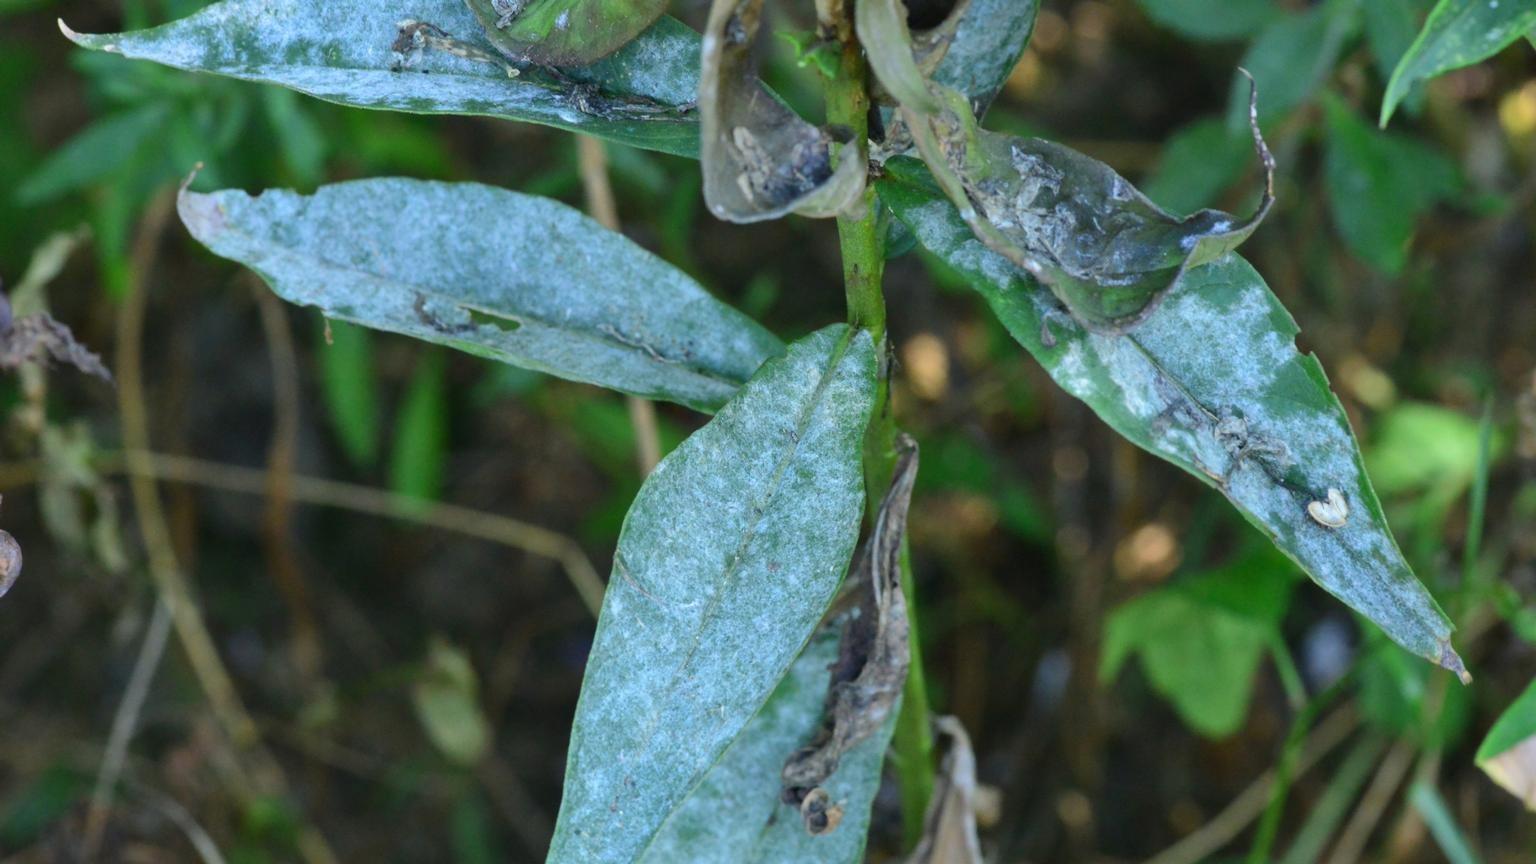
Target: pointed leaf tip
point(1450, 660)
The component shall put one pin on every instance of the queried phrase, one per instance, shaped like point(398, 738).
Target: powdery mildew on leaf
point(1212, 382)
point(728, 559)
point(340, 51)
point(513, 277)
point(1458, 33)
point(733, 815)
point(565, 32)
point(987, 45)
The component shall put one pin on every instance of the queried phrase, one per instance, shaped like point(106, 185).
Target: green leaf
point(735, 814)
point(1442, 825)
point(565, 32)
point(351, 391)
point(1290, 59)
point(1103, 248)
point(988, 43)
point(421, 432)
point(343, 51)
point(1197, 164)
point(1419, 448)
point(516, 278)
point(94, 154)
point(1458, 33)
point(447, 701)
point(1213, 20)
point(1379, 184)
point(729, 557)
point(1201, 639)
point(1508, 754)
point(1389, 31)
point(1212, 382)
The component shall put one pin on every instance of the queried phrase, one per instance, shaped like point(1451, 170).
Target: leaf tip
point(1449, 659)
point(87, 40)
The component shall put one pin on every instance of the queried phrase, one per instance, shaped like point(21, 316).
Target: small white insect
point(1332, 513)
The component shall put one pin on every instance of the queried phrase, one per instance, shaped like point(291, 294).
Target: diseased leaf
point(1201, 638)
point(564, 32)
point(1508, 754)
point(1197, 163)
point(988, 43)
point(729, 557)
point(900, 59)
point(1214, 20)
point(760, 159)
point(512, 277)
point(1212, 382)
point(1103, 248)
point(1379, 184)
point(733, 815)
point(1458, 33)
point(343, 51)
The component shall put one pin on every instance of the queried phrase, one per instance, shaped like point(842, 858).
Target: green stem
point(863, 250)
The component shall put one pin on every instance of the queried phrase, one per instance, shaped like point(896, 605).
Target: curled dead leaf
point(1103, 248)
point(760, 160)
point(874, 655)
point(39, 338)
point(949, 828)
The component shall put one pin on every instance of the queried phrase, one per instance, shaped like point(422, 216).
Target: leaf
point(516, 278)
point(1379, 184)
point(1389, 30)
point(1103, 248)
point(1212, 382)
point(1423, 448)
point(949, 828)
point(447, 701)
point(1508, 754)
point(735, 813)
point(728, 559)
point(1442, 825)
point(1201, 638)
point(421, 432)
point(900, 61)
point(1197, 164)
point(760, 159)
point(988, 43)
point(1291, 57)
point(1213, 20)
point(95, 154)
point(351, 391)
point(342, 51)
point(1458, 33)
point(564, 32)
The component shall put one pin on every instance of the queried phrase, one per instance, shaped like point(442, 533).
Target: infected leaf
point(1105, 250)
point(872, 663)
point(989, 40)
point(760, 159)
point(901, 59)
point(949, 829)
point(564, 32)
point(1458, 33)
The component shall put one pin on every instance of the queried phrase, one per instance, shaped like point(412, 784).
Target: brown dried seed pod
point(10, 561)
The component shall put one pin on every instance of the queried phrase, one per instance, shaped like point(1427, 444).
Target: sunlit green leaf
point(1458, 33)
point(344, 51)
point(512, 277)
point(729, 557)
point(1212, 382)
point(735, 815)
point(564, 32)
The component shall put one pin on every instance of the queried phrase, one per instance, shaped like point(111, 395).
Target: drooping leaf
point(564, 32)
point(516, 278)
point(734, 813)
point(1103, 248)
point(1212, 382)
point(729, 557)
point(988, 43)
point(344, 51)
point(1508, 754)
point(1215, 20)
point(759, 158)
point(1379, 184)
point(1201, 638)
point(1458, 33)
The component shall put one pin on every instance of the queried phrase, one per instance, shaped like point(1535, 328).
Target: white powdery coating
point(520, 278)
point(1220, 347)
point(341, 51)
point(729, 556)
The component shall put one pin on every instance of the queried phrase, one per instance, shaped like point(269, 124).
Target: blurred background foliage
point(1129, 657)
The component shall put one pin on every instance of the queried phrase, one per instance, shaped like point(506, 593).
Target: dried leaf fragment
point(38, 338)
point(760, 160)
point(874, 655)
point(949, 828)
point(1103, 249)
point(563, 32)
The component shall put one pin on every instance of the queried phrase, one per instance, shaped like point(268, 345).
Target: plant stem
point(863, 252)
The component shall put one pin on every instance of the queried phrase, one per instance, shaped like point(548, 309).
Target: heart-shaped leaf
point(564, 32)
point(513, 277)
point(1458, 33)
point(760, 159)
point(344, 51)
point(1212, 382)
point(729, 557)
